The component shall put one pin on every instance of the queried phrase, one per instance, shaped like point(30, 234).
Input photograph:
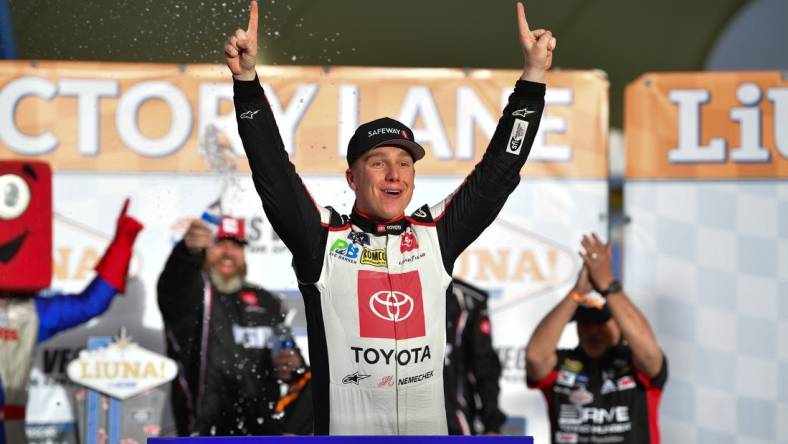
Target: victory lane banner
point(165, 135)
point(707, 126)
point(152, 118)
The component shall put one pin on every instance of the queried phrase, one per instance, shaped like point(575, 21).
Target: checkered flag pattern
point(707, 262)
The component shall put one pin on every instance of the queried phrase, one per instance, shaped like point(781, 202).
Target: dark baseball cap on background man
point(231, 228)
point(382, 132)
point(592, 314)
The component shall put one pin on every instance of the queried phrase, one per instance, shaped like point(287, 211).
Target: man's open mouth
point(390, 192)
point(9, 249)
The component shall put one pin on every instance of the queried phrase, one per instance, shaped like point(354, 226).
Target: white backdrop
point(707, 262)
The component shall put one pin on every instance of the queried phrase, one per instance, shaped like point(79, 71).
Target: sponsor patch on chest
point(376, 258)
point(390, 305)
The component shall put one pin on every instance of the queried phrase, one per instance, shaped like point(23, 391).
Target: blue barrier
point(347, 440)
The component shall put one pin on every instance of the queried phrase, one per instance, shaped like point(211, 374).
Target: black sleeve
point(661, 378)
point(485, 366)
point(476, 203)
point(299, 418)
point(180, 286)
point(287, 203)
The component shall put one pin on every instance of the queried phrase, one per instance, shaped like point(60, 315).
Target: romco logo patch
point(390, 306)
point(376, 258)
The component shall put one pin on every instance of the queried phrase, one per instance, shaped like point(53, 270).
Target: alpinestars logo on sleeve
point(522, 112)
point(249, 114)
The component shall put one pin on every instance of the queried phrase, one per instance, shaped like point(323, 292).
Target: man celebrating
point(374, 282)
point(608, 388)
point(218, 329)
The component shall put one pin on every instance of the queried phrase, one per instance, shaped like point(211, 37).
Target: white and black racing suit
point(374, 293)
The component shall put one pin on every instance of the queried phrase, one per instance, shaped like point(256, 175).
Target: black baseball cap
point(592, 314)
point(382, 132)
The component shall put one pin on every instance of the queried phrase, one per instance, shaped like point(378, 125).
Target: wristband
point(579, 298)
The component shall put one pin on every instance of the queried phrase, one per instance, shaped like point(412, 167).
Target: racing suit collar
point(376, 227)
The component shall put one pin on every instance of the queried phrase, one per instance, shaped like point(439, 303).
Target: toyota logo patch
point(392, 306)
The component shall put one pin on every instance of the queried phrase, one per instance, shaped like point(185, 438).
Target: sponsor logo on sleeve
point(249, 114)
point(517, 137)
point(523, 112)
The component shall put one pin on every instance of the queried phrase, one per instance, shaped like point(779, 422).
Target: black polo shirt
point(605, 400)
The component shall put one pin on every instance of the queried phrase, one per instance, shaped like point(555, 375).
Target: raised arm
point(287, 204)
point(180, 286)
point(64, 311)
point(635, 328)
point(540, 354)
point(462, 217)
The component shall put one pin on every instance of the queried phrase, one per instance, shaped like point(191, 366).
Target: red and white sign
point(390, 306)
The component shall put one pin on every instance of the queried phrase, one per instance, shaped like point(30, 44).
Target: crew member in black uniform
point(218, 329)
point(472, 369)
point(608, 388)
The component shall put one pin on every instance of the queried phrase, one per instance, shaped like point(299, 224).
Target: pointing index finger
point(522, 23)
point(252, 27)
point(125, 207)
